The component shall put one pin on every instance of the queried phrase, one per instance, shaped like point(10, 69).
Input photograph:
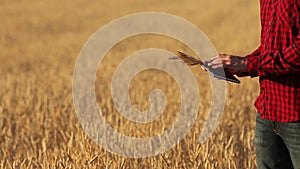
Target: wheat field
point(39, 44)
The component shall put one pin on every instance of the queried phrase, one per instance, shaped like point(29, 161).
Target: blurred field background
point(39, 43)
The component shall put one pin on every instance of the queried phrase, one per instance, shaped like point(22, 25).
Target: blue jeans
point(277, 144)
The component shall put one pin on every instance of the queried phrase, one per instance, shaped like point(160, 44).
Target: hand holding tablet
point(219, 72)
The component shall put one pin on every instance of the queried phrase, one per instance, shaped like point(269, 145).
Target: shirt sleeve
point(275, 63)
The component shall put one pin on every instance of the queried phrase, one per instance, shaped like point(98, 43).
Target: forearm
point(255, 55)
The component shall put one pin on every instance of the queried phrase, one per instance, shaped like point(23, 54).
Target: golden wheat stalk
point(189, 60)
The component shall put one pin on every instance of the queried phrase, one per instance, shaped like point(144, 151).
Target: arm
point(234, 64)
point(279, 62)
point(256, 64)
point(276, 63)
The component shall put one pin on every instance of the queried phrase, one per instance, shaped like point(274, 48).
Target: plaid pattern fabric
point(277, 61)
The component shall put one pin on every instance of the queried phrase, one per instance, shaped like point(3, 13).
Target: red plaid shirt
point(277, 61)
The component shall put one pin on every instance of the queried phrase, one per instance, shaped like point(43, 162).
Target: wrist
point(245, 60)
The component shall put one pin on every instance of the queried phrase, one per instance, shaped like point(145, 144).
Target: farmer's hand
point(234, 64)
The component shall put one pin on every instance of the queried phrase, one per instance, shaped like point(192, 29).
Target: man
point(277, 63)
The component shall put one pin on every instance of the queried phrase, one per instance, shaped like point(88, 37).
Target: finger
point(217, 66)
point(224, 56)
point(216, 62)
point(219, 62)
point(212, 59)
point(215, 57)
point(219, 56)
